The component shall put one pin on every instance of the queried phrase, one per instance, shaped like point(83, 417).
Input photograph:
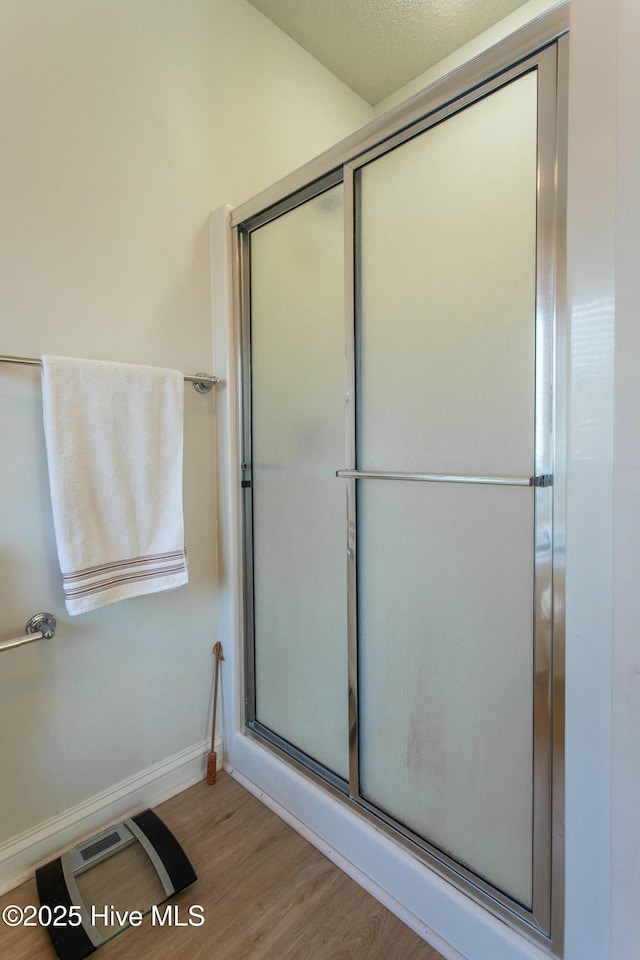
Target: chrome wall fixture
point(41, 626)
point(202, 382)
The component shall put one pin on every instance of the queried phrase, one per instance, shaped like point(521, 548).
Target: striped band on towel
point(109, 576)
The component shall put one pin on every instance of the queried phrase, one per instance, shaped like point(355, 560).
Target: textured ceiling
point(376, 46)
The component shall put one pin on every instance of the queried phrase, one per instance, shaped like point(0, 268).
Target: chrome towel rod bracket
point(41, 626)
point(44, 623)
point(202, 382)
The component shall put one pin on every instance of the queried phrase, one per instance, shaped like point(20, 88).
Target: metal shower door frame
point(541, 483)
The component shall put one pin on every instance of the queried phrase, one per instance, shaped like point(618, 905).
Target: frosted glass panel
point(445, 668)
point(446, 384)
point(298, 441)
point(448, 258)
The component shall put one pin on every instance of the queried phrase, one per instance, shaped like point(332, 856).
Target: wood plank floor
point(266, 894)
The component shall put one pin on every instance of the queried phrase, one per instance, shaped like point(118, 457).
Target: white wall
point(603, 506)
point(123, 125)
point(625, 756)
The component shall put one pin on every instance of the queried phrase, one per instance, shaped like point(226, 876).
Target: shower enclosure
point(401, 479)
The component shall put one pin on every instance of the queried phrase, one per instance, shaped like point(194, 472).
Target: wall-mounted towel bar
point(202, 382)
point(41, 626)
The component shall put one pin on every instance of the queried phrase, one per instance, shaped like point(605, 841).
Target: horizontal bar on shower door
point(543, 480)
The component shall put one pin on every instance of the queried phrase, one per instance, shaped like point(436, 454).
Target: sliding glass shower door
point(398, 468)
point(298, 509)
point(445, 446)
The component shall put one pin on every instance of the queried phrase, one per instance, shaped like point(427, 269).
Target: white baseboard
point(20, 855)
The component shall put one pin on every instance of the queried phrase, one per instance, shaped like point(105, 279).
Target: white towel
point(113, 436)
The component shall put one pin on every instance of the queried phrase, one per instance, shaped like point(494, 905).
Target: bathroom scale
point(117, 879)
